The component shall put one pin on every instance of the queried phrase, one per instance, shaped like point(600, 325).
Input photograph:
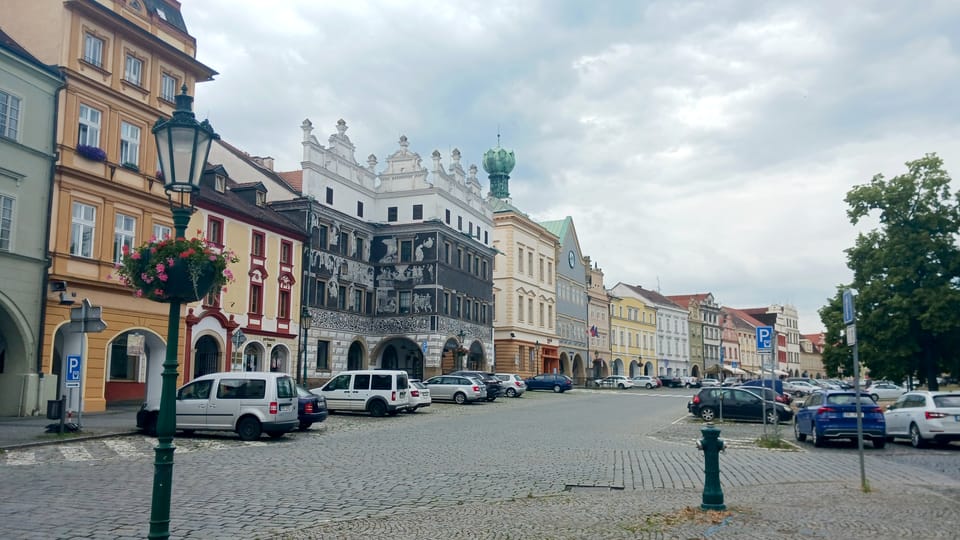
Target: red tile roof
point(294, 178)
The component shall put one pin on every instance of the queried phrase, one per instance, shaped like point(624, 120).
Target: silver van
point(377, 391)
point(247, 402)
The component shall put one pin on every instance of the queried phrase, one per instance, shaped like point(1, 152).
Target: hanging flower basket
point(175, 270)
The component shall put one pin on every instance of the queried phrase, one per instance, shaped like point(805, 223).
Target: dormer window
point(220, 183)
point(261, 198)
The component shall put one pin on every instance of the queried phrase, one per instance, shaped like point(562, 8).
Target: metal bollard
point(711, 444)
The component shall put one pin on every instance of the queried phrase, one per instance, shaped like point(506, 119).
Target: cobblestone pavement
point(574, 465)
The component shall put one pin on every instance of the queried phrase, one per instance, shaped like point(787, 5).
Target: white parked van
point(377, 391)
point(247, 402)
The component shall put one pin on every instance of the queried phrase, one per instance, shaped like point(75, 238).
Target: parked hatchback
point(736, 404)
point(615, 381)
point(832, 414)
point(419, 396)
point(645, 381)
point(514, 385)
point(377, 391)
point(457, 388)
point(550, 381)
point(311, 408)
point(924, 417)
point(494, 387)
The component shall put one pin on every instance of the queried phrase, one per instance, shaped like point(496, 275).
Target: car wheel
point(796, 433)
point(276, 434)
point(649, 386)
point(249, 429)
point(879, 442)
point(511, 392)
point(874, 397)
point(557, 389)
point(687, 385)
point(815, 438)
point(915, 439)
point(772, 417)
point(305, 426)
point(460, 398)
point(377, 408)
point(707, 414)
point(621, 386)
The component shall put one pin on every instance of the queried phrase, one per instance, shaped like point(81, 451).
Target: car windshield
point(848, 399)
point(950, 400)
point(417, 384)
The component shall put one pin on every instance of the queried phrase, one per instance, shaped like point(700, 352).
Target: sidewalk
point(19, 432)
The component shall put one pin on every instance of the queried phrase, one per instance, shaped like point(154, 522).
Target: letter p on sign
point(764, 338)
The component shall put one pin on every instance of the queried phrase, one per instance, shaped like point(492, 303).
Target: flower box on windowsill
point(91, 152)
point(131, 166)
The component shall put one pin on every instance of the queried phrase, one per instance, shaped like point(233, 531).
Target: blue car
point(832, 414)
point(550, 381)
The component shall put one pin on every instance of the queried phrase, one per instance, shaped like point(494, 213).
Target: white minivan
point(247, 402)
point(377, 391)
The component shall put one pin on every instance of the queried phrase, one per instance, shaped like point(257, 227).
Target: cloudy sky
point(698, 146)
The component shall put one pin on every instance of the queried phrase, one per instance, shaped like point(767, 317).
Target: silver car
point(513, 384)
point(456, 388)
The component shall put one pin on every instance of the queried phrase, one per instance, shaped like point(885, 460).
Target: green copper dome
point(498, 162)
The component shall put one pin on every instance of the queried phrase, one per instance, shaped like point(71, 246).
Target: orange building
point(124, 61)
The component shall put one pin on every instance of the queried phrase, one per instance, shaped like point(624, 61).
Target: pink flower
point(109, 276)
point(159, 267)
point(213, 257)
point(158, 292)
point(153, 250)
point(138, 293)
point(162, 277)
point(170, 261)
point(135, 255)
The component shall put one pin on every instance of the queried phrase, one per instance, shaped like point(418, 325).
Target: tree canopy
point(906, 274)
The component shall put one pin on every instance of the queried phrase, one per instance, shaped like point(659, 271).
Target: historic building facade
point(633, 332)
point(811, 355)
point(524, 280)
point(29, 90)
point(709, 321)
point(598, 321)
point(673, 346)
point(124, 62)
point(785, 323)
point(572, 314)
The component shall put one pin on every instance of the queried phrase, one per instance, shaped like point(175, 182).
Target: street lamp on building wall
point(306, 319)
point(183, 145)
point(461, 350)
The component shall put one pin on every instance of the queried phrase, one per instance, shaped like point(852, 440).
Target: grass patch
point(65, 435)
point(660, 522)
point(774, 443)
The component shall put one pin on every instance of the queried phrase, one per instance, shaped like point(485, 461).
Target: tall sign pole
point(765, 348)
point(850, 319)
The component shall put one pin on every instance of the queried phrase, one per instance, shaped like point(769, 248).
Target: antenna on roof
point(498, 135)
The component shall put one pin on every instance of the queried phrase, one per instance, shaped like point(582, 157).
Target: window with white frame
point(168, 87)
point(89, 126)
point(124, 234)
point(93, 50)
point(162, 231)
point(6, 222)
point(9, 115)
point(133, 70)
point(84, 222)
point(129, 144)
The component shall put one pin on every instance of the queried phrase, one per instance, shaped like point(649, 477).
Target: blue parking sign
point(73, 371)
point(764, 338)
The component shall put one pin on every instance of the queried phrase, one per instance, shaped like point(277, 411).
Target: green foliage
point(906, 273)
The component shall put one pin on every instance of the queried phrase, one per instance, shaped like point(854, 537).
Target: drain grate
point(591, 489)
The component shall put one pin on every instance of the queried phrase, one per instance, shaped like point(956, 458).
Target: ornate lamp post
point(183, 145)
point(306, 319)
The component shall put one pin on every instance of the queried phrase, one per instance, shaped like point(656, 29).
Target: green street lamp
point(306, 319)
point(183, 145)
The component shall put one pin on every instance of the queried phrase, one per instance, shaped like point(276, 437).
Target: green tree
point(906, 271)
point(837, 356)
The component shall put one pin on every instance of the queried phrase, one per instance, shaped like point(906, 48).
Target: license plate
point(849, 415)
point(286, 407)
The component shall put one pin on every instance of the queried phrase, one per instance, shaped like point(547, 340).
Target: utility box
point(54, 409)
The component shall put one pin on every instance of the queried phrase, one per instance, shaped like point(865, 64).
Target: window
point(215, 231)
point(456, 306)
point(520, 309)
point(550, 316)
point(530, 310)
point(470, 228)
point(242, 389)
point(392, 213)
point(358, 300)
point(124, 366)
point(406, 250)
point(447, 216)
point(124, 232)
point(483, 269)
point(322, 237)
point(168, 87)
point(219, 183)
point(418, 211)
point(530, 264)
point(320, 294)
point(342, 297)
point(446, 303)
point(93, 50)
point(256, 299)
point(89, 126)
point(358, 248)
point(520, 259)
point(459, 258)
point(329, 195)
point(83, 224)
point(541, 314)
point(550, 272)
point(6, 222)
point(446, 252)
point(162, 231)
point(404, 301)
point(486, 239)
point(256, 246)
point(469, 261)
point(9, 115)
point(359, 208)
point(129, 144)
point(286, 250)
point(283, 305)
point(476, 265)
point(459, 223)
point(344, 243)
point(468, 305)
point(133, 70)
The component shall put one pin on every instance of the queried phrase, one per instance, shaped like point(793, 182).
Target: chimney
point(265, 162)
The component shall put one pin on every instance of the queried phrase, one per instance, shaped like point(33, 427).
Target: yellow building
point(124, 62)
point(633, 333)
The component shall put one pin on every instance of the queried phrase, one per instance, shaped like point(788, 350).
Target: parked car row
point(741, 403)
